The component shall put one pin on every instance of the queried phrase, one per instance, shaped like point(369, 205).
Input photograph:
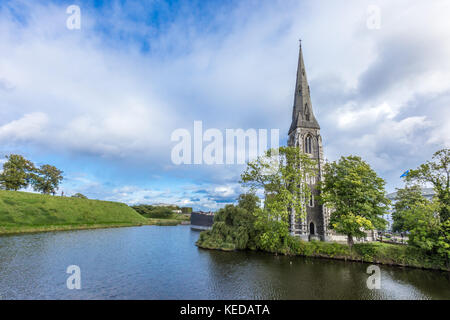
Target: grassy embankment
point(162, 216)
point(172, 220)
point(373, 252)
point(22, 212)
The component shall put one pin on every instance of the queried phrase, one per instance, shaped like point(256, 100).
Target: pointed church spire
point(302, 115)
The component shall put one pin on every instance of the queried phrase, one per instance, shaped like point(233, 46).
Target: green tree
point(426, 230)
point(155, 212)
point(436, 172)
point(17, 172)
point(406, 199)
point(249, 202)
point(47, 179)
point(443, 242)
point(283, 176)
point(79, 195)
point(423, 223)
point(357, 196)
point(186, 210)
point(233, 228)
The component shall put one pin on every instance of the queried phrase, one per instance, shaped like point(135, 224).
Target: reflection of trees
point(254, 275)
point(265, 276)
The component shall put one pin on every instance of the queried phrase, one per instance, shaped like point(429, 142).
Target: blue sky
point(101, 102)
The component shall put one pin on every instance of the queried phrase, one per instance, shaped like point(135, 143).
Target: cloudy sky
point(102, 101)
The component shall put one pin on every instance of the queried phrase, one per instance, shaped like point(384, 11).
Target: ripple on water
point(153, 262)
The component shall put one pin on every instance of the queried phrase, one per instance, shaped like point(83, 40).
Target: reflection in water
point(154, 262)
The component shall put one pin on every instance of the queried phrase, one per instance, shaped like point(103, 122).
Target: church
point(304, 133)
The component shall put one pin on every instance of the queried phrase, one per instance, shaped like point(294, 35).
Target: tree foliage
point(46, 179)
point(443, 241)
point(357, 196)
point(79, 195)
point(436, 172)
point(283, 176)
point(156, 212)
point(422, 221)
point(233, 228)
point(17, 172)
point(249, 202)
point(428, 222)
point(426, 230)
point(405, 200)
point(186, 210)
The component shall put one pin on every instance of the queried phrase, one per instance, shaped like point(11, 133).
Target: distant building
point(427, 193)
point(202, 220)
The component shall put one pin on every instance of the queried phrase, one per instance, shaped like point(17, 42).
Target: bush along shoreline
point(234, 229)
point(356, 195)
point(376, 252)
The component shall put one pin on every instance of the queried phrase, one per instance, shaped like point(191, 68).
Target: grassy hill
point(28, 212)
point(163, 216)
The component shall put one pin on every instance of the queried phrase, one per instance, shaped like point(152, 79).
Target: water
point(153, 262)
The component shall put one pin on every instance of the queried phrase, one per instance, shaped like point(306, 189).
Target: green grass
point(372, 252)
point(28, 212)
point(172, 217)
point(164, 222)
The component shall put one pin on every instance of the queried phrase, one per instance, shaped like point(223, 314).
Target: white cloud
point(79, 93)
point(224, 191)
point(30, 127)
point(351, 117)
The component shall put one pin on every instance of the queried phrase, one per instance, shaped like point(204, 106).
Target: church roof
point(302, 114)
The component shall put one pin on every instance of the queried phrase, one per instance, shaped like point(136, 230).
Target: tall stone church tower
point(305, 133)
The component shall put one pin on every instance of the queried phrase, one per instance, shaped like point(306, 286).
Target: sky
point(101, 102)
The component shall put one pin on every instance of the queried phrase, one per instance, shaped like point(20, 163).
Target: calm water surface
point(155, 262)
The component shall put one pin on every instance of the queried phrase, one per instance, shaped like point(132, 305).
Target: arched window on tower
point(311, 200)
point(308, 144)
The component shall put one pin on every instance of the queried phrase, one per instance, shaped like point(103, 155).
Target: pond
point(155, 262)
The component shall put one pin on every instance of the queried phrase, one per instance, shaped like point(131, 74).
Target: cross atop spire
point(302, 115)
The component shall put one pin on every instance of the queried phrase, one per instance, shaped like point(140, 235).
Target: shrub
point(150, 211)
point(232, 229)
point(79, 195)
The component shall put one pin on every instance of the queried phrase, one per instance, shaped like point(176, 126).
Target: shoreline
point(358, 259)
point(355, 260)
point(23, 230)
point(41, 229)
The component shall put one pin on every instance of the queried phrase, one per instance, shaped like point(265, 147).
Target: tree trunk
point(350, 241)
